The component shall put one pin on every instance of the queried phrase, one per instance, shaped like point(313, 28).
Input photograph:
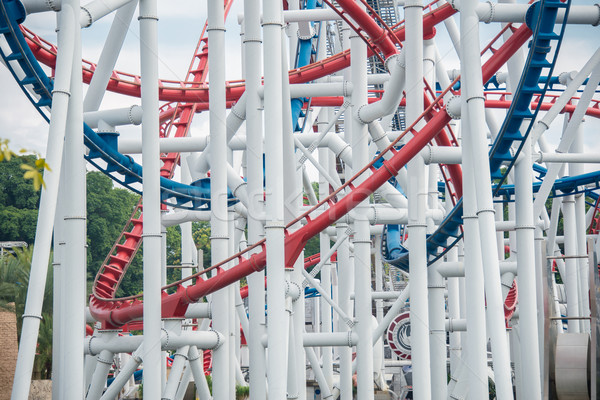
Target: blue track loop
point(103, 152)
point(541, 18)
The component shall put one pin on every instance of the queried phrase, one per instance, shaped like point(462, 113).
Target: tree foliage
point(14, 281)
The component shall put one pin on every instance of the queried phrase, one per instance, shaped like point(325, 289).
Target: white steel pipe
point(317, 89)
point(528, 307)
point(362, 238)
point(417, 203)
point(125, 344)
point(472, 370)
point(277, 317)
point(126, 372)
point(318, 14)
point(87, 15)
point(319, 376)
point(104, 362)
point(222, 378)
point(151, 194)
point(75, 261)
point(254, 159)
point(115, 117)
point(571, 278)
point(568, 134)
point(473, 93)
point(94, 10)
point(582, 158)
point(108, 57)
point(391, 96)
point(196, 364)
point(43, 234)
point(179, 360)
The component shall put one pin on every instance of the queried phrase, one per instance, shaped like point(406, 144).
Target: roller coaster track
point(121, 255)
point(541, 16)
point(116, 312)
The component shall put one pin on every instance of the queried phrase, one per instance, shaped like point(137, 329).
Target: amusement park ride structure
point(438, 176)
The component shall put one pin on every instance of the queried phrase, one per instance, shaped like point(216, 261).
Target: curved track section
point(103, 153)
point(116, 312)
point(510, 140)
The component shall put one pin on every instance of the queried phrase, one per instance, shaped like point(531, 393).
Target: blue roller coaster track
point(541, 18)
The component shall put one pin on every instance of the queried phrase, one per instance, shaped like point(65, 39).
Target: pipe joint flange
point(375, 222)
point(275, 225)
point(149, 16)
point(166, 343)
point(471, 216)
point(597, 19)
point(453, 107)
point(89, 18)
point(235, 189)
point(492, 12)
point(53, 5)
point(358, 117)
point(104, 361)
point(434, 286)
point(350, 341)
point(219, 341)
point(75, 218)
point(211, 237)
point(217, 28)
point(276, 22)
point(413, 4)
point(450, 326)
point(454, 4)
point(181, 354)
point(67, 92)
point(292, 290)
point(240, 115)
point(416, 225)
point(32, 316)
point(192, 359)
point(347, 88)
point(89, 345)
point(524, 226)
point(428, 158)
point(482, 98)
point(308, 36)
point(133, 110)
point(486, 210)
point(393, 58)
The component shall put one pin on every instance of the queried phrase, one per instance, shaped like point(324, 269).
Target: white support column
point(75, 260)
point(473, 96)
point(326, 268)
point(277, 319)
point(254, 159)
point(362, 237)
point(108, 57)
point(47, 210)
point(151, 353)
point(223, 383)
point(475, 345)
point(528, 308)
point(417, 205)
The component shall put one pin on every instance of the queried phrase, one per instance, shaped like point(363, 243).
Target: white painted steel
point(49, 197)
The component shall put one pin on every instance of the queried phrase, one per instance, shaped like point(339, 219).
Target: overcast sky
point(180, 25)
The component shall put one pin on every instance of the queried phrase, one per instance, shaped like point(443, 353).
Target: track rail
point(541, 17)
point(116, 312)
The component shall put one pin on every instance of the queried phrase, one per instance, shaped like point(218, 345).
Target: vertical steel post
point(151, 194)
point(417, 205)
point(222, 379)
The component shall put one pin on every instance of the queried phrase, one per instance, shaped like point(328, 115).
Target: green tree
point(14, 280)
point(18, 201)
point(108, 210)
